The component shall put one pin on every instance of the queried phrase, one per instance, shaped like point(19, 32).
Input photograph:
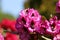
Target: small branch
point(45, 38)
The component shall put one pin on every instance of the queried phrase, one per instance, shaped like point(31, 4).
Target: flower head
point(28, 22)
point(54, 26)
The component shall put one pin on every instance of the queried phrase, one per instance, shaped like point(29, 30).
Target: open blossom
point(53, 20)
point(1, 37)
point(24, 34)
point(28, 22)
point(57, 37)
point(45, 26)
point(24, 12)
point(54, 27)
point(33, 24)
point(33, 13)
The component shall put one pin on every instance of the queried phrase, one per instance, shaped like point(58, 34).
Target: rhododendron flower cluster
point(30, 22)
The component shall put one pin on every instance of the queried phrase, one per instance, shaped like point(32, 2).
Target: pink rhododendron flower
point(54, 26)
point(24, 12)
point(46, 26)
point(57, 37)
point(24, 34)
point(33, 13)
point(53, 20)
point(28, 22)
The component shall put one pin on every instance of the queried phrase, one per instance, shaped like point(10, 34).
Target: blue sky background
point(13, 6)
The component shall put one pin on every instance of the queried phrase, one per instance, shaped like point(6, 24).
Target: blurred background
point(10, 8)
